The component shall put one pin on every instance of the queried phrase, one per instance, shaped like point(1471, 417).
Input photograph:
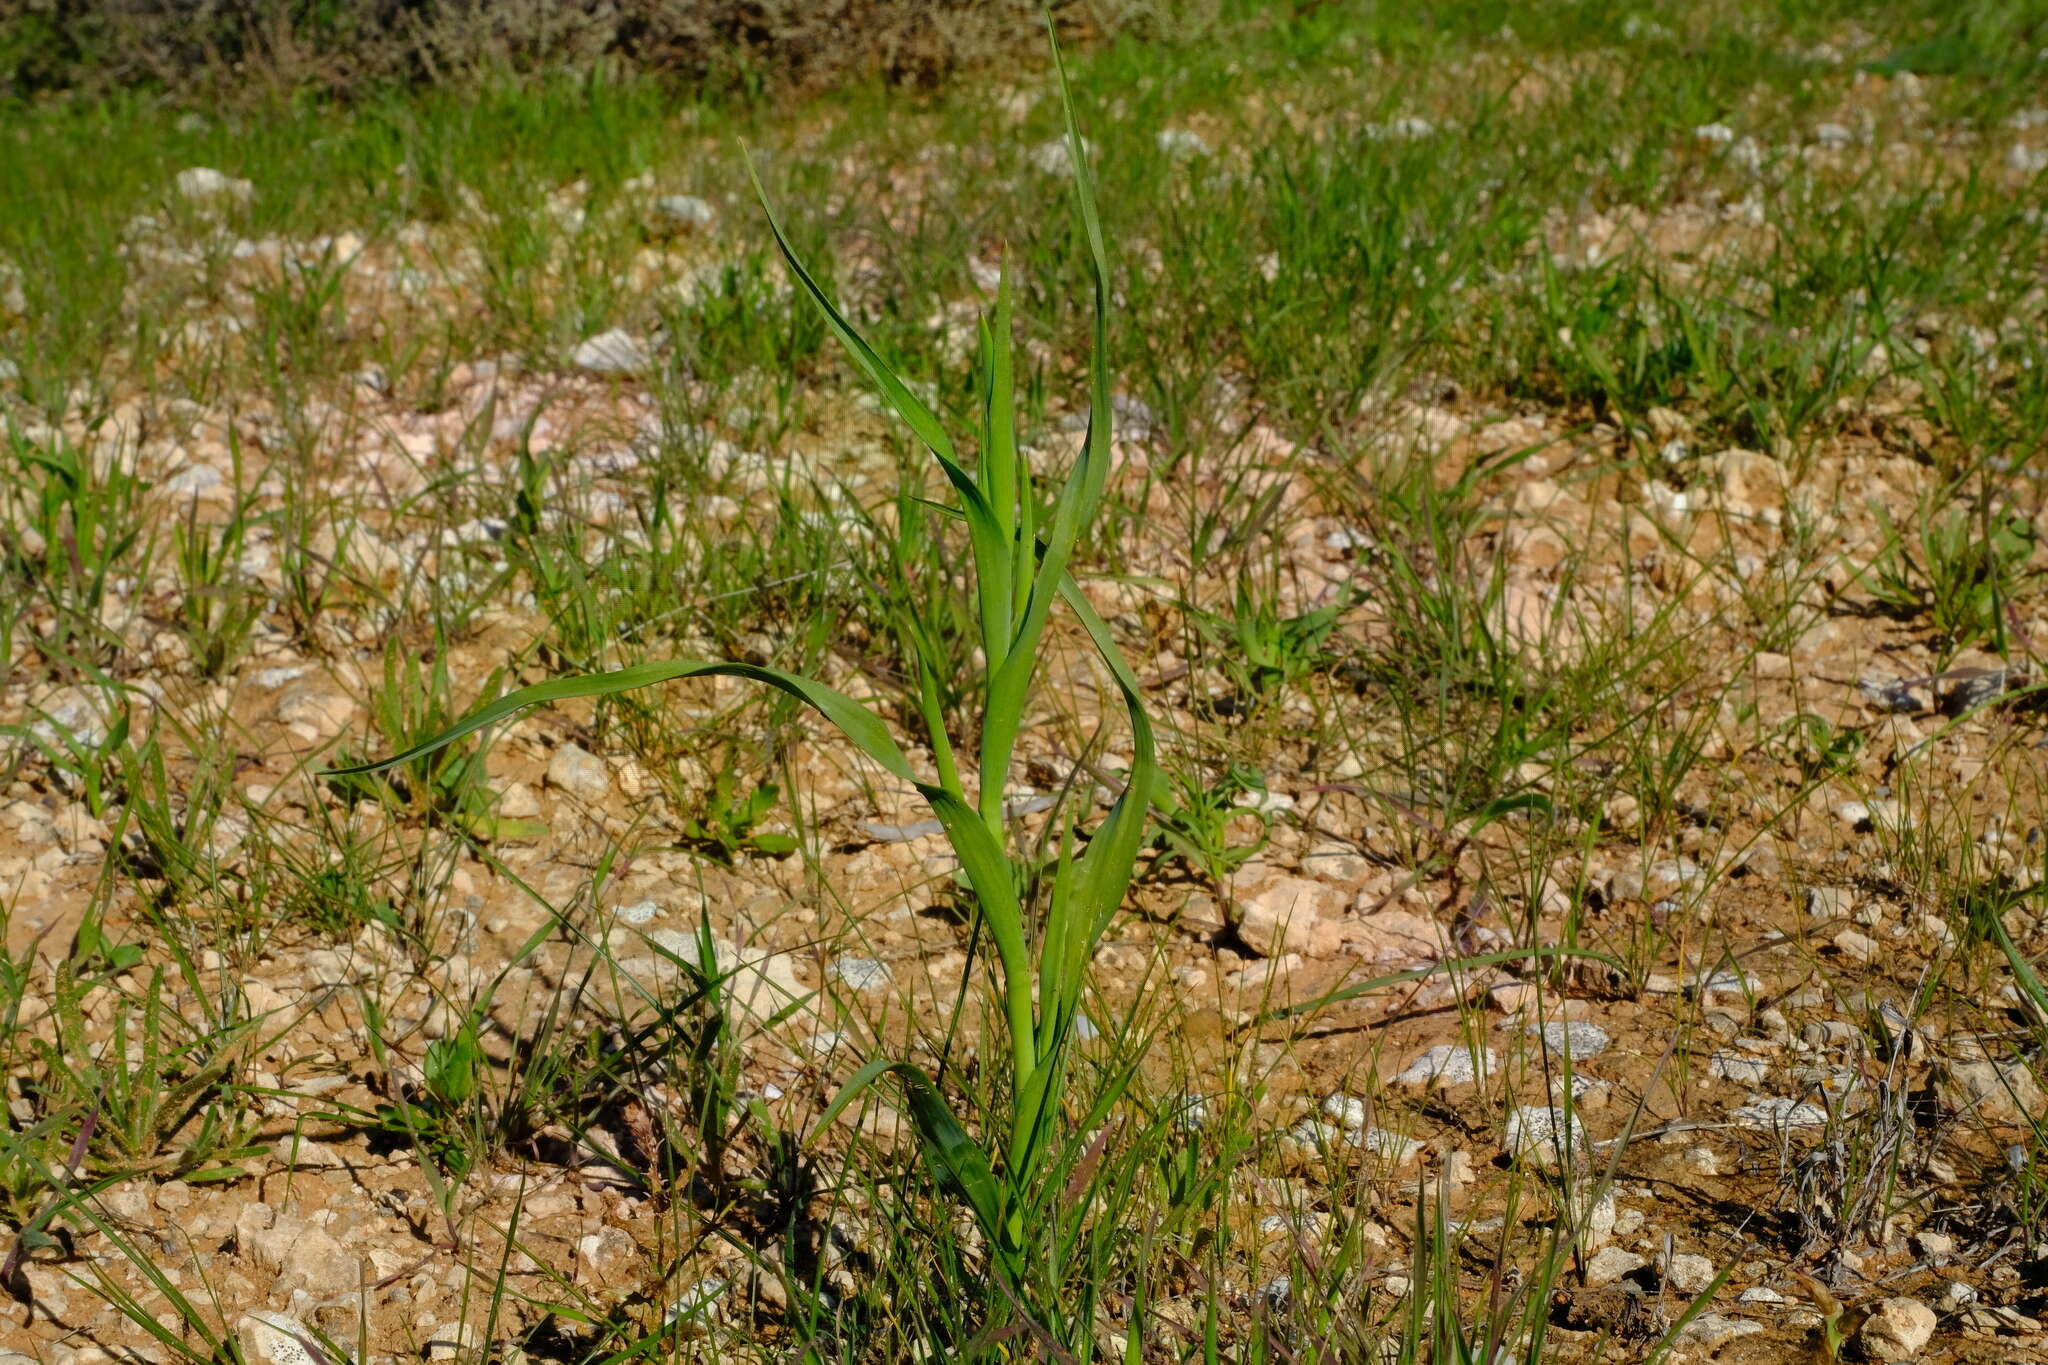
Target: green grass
point(872, 465)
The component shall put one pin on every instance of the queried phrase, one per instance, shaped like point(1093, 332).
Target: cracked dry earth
point(1789, 1075)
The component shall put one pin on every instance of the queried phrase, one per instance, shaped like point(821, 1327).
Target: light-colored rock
point(1391, 938)
point(315, 711)
point(1447, 1065)
point(678, 212)
point(1778, 1114)
point(1830, 902)
point(454, 1341)
point(1995, 1092)
point(860, 973)
point(1689, 1274)
point(1544, 1134)
point(1284, 915)
point(307, 1155)
point(1752, 484)
point(1338, 864)
point(1599, 1212)
point(206, 186)
point(74, 713)
point(1612, 1263)
point(1739, 1067)
point(1389, 1146)
point(1581, 1039)
point(275, 1339)
point(1939, 1248)
point(1183, 144)
point(1856, 945)
point(1348, 1110)
point(194, 481)
point(1052, 157)
point(1406, 128)
point(302, 1256)
point(1897, 1329)
point(582, 774)
point(1711, 1331)
point(518, 802)
point(612, 352)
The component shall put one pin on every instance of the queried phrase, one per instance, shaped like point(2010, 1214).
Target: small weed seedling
point(1262, 652)
point(726, 829)
point(439, 782)
point(1961, 573)
point(1198, 824)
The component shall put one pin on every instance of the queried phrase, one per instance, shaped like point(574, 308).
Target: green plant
point(71, 526)
point(1197, 821)
point(438, 782)
point(1818, 747)
point(1263, 652)
point(86, 760)
point(1960, 570)
point(725, 828)
point(1021, 556)
point(217, 608)
point(162, 1087)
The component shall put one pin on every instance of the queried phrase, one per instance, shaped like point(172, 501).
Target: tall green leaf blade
point(956, 1157)
point(958, 1161)
point(984, 526)
point(854, 720)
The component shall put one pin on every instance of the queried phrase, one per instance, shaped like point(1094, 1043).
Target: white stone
point(1610, 1264)
point(1179, 142)
point(580, 773)
point(1390, 1146)
point(1348, 1110)
point(1447, 1065)
point(1897, 1329)
point(1752, 484)
point(1830, 902)
point(518, 802)
point(1052, 157)
point(275, 1339)
point(860, 973)
point(302, 1255)
point(1738, 1067)
point(308, 1155)
point(453, 1341)
point(1992, 1091)
point(1777, 1114)
point(205, 185)
point(1407, 128)
point(1689, 1274)
point(684, 211)
point(613, 352)
point(1580, 1038)
point(193, 480)
point(1282, 916)
point(1711, 1331)
point(1543, 1133)
point(314, 710)
point(640, 912)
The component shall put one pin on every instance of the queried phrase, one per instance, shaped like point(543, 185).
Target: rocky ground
point(408, 1070)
